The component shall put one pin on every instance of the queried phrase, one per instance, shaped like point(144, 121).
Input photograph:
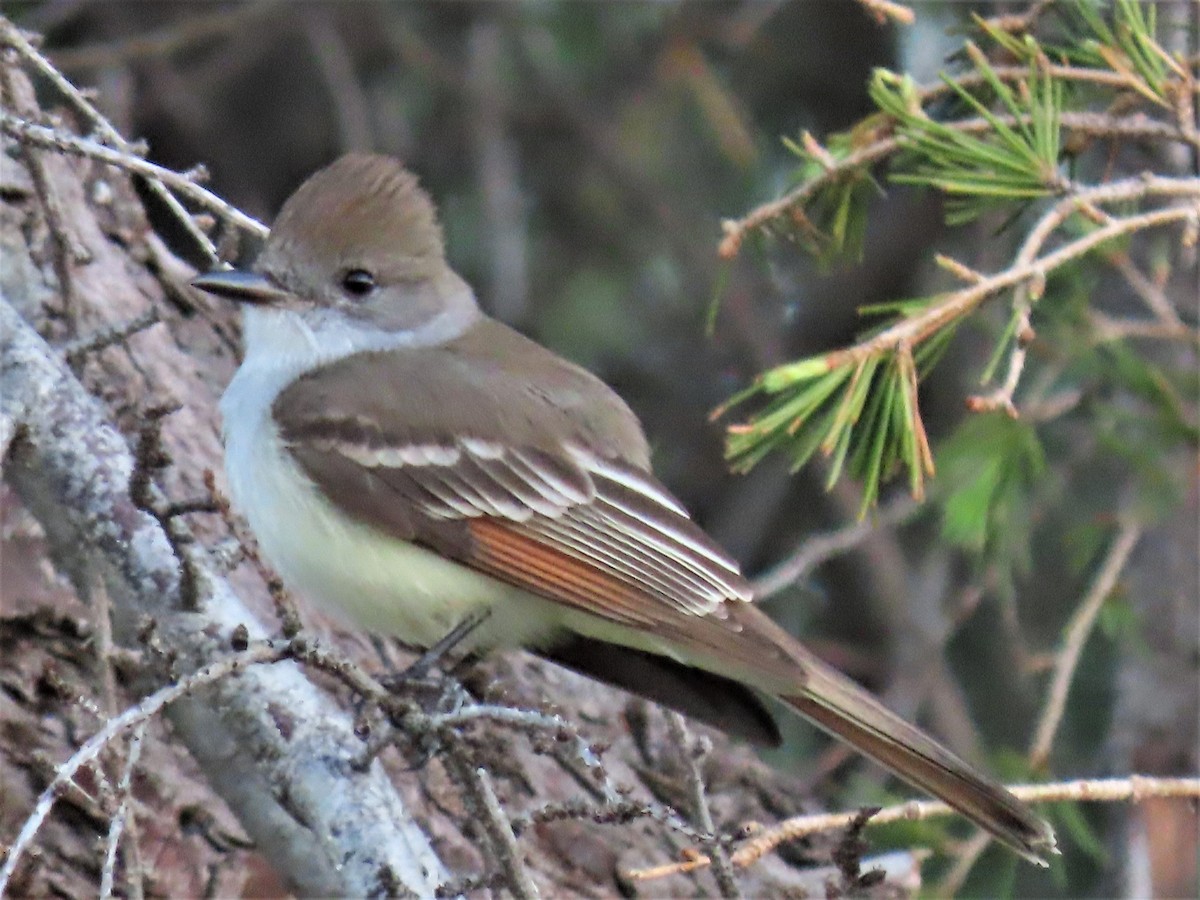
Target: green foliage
point(835, 222)
point(1144, 416)
point(1070, 819)
point(862, 414)
point(995, 875)
point(989, 468)
point(1008, 161)
point(1127, 46)
point(990, 140)
point(1118, 620)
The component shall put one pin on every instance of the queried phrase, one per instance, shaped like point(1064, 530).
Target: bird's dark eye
point(358, 282)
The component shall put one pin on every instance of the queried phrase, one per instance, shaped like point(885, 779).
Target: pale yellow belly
point(358, 573)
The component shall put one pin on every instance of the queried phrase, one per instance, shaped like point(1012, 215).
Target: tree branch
point(1077, 632)
point(184, 184)
point(327, 828)
point(1109, 790)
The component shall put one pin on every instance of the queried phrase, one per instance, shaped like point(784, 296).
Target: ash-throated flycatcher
point(410, 463)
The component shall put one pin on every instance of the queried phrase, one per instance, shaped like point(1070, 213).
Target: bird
point(413, 465)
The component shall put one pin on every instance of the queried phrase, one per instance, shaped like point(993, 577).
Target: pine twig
point(1102, 790)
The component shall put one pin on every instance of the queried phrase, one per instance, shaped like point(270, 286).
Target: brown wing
point(595, 534)
point(540, 480)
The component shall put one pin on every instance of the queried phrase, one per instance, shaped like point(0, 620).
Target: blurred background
point(582, 156)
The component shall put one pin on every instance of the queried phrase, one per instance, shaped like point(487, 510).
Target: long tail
point(838, 705)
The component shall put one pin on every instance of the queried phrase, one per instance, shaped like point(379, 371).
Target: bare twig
point(965, 858)
point(17, 93)
point(570, 748)
point(1065, 662)
point(12, 36)
point(478, 790)
point(116, 825)
point(956, 304)
point(819, 548)
point(612, 812)
point(1110, 790)
point(692, 754)
point(134, 716)
point(1076, 635)
point(106, 337)
point(1106, 328)
point(181, 182)
point(1029, 290)
point(1146, 290)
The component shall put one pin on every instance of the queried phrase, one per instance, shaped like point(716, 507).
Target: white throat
point(281, 345)
point(299, 341)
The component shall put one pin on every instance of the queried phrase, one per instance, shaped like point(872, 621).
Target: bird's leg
point(417, 675)
point(449, 694)
point(434, 655)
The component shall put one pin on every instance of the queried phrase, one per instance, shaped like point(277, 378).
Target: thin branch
point(523, 719)
point(511, 858)
point(819, 548)
point(955, 305)
point(12, 36)
point(1065, 663)
point(1151, 294)
point(1030, 290)
point(135, 715)
point(692, 754)
point(1110, 790)
point(1090, 124)
point(1077, 632)
point(478, 791)
point(568, 744)
point(17, 93)
point(1106, 328)
point(116, 826)
point(106, 337)
point(965, 858)
point(182, 183)
point(614, 812)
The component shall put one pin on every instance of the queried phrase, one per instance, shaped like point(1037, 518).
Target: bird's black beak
point(244, 287)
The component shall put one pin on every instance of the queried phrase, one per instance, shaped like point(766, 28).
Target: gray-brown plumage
point(444, 429)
